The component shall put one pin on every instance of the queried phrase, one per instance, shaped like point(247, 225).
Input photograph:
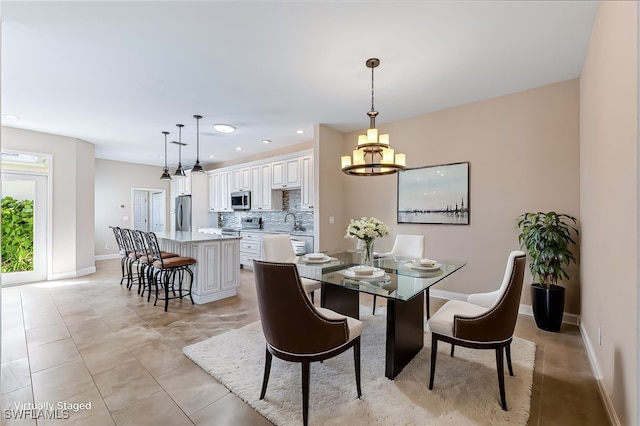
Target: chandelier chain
point(372, 108)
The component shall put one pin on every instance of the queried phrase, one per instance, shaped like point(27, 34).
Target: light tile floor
point(90, 340)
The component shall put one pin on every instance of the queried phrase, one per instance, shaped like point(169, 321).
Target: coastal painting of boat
point(434, 194)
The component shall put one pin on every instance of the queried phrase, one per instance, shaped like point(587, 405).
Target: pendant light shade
point(373, 155)
point(165, 170)
point(197, 168)
point(179, 171)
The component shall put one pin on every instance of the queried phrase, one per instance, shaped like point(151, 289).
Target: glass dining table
point(404, 282)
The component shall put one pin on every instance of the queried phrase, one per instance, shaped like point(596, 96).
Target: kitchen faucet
point(295, 220)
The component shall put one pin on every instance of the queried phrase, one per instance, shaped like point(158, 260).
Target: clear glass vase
point(367, 252)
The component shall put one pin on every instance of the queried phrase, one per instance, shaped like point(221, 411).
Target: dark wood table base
point(405, 323)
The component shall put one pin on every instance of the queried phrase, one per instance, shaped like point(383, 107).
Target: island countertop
point(188, 236)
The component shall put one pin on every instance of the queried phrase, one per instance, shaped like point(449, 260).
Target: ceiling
point(117, 74)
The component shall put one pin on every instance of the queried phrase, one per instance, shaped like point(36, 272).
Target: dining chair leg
point(500, 368)
point(267, 371)
point(305, 392)
point(374, 305)
point(452, 348)
point(507, 349)
point(356, 359)
point(434, 352)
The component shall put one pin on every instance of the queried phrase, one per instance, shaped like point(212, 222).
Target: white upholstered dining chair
point(404, 247)
point(278, 248)
point(473, 326)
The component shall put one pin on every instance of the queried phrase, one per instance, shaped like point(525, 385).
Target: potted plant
point(546, 237)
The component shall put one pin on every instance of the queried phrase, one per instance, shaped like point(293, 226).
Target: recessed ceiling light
point(223, 128)
point(266, 141)
point(211, 156)
point(300, 131)
point(10, 117)
point(239, 148)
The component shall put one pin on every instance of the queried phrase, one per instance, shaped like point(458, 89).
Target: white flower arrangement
point(367, 229)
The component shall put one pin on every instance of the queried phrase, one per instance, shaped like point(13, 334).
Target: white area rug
point(465, 389)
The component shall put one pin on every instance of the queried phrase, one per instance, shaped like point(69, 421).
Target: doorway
point(25, 216)
point(149, 210)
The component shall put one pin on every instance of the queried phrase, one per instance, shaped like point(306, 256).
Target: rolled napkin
point(427, 262)
point(363, 271)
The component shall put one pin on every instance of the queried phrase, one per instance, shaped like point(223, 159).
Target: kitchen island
point(216, 273)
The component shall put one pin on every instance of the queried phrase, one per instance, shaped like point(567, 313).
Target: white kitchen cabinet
point(306, 183)
point(262, 195)
point(219, 193)
point(241, 179)
point(285, 174)
point(183, 183)
point(250, 248)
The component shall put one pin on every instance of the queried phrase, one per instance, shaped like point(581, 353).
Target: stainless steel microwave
point(241, 200)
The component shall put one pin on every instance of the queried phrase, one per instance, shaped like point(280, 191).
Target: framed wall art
point(434, 194)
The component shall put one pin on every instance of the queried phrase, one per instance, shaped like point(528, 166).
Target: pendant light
point(165, 170)
point(179, 171)
point(373, 155)
point(197, 168)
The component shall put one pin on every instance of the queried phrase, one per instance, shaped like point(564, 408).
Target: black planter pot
point(548, 306)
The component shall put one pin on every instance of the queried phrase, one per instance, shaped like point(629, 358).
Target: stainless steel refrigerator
point(183, 213)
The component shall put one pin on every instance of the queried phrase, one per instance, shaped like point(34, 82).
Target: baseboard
point(73, 274)
point(595, 367)
point(523, 309)
point(107, 256)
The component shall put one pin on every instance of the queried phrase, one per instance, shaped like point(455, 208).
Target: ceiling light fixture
point(197, 168)
point(300, 132)
point(165, 170)
point(266, 141)
point(223, 128)
point(373, 155)
point(179, 171)
point(10, 116)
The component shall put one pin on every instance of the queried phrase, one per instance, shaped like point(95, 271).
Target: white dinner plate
point(322, 260)
point(377, 274)
point(415, 264)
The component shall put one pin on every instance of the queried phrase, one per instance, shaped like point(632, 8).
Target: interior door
point(140, 210)
point(157, 211)
point(24, 251)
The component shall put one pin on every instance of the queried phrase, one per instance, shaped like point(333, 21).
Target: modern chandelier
point(165, 170)
point(197, 168)
point(179, 171)
point(373, 155)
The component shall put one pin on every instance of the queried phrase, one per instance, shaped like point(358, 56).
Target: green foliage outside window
point(17, 235)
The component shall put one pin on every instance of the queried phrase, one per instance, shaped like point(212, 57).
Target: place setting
point(316, 258)
point(424, 267)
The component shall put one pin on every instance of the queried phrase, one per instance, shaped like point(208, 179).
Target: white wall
point(113, 183)
point(523, 151)
point(609, 202)
point(72, 171)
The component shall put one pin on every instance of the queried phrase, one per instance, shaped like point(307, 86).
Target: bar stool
point(164, 272)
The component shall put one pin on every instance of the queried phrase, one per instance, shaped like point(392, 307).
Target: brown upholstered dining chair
point(297, 331)
point(478, 327)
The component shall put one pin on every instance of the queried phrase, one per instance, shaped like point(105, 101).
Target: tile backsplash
point(271, 219)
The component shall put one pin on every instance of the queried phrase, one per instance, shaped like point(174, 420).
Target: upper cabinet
point(181, 185)
point(262, 195)
point(265, 180)
point(285, 174)
point(219, 191)
point(306, 183)
point(241, 179)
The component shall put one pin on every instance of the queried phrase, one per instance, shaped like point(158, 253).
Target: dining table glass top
point(393, 278)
